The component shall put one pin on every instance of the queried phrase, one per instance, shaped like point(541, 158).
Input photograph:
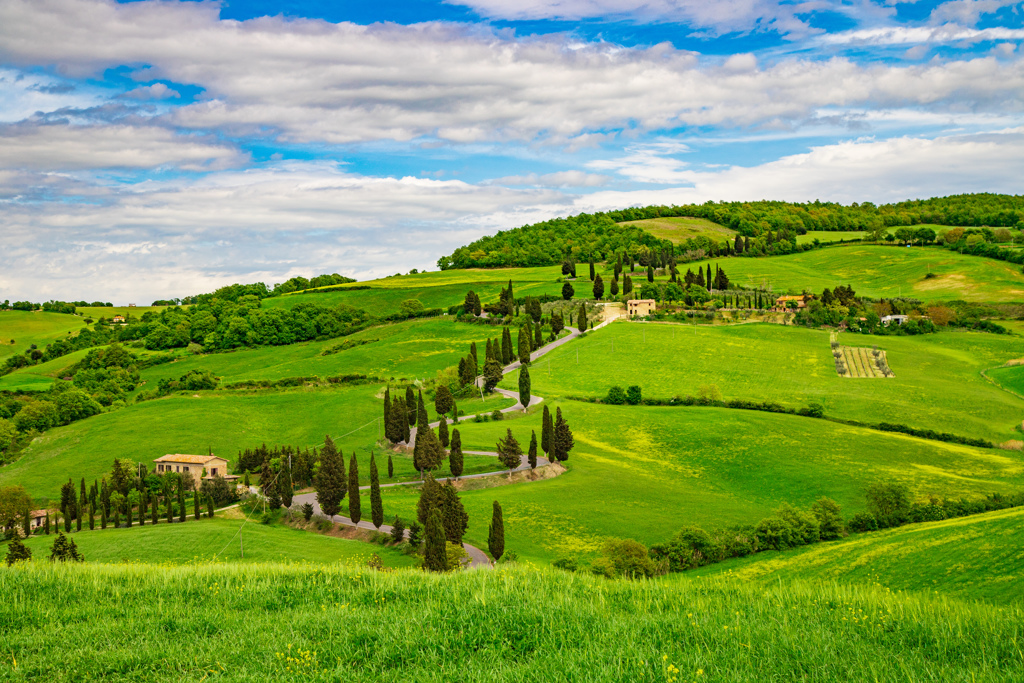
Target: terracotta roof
point(191, 459)
point(38, 513)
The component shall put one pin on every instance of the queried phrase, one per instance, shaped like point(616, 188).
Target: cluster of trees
point(63, 549)
point(333, 483)
point(445, 521)
point(841, 307)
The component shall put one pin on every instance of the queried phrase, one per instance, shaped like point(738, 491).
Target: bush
point(307, 511)
point(398, 530)
point(830, 523)
point(863, 521)
point(774, 533)
point(568, 564)
point(691, 547)
point(804, 524)
point(497, 416)
point(616, 396)
point(323, 524)
point(627, 559)
point(633, 395)
point(889, 503)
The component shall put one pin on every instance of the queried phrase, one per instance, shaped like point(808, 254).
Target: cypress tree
point(650, 273)
point(455, 454)
point(453, 514)
point(524, 345)
point(562, 441)
point(443, 400)
point(422, 421)
point(129, 517)
point(391, 468)
point(510, 453)
point(78, 520)
point(389, 428)
point(143, 504)
point(496, 533)
point(46, 523)
point(17, 551)
point(581, 318)
point(406, 432)
point(169, 502)
point(463, 372)
point(67, 519)
point(627, 285)
point(355, 512)
point(538, 339)
point(615, 287)
point(531, 455)
point(455, 412)
point(435, 553)
point(285, 486)
point(546, 430)
point(709, 280)
point(598, 288)
point(399, 420)
point(156, 510)
point(27, 523)
point(376, 504)
point(442, 432)
point(592, 272)
point(488, 351)
point(330, 479)
point(410, 405)
point(92, 517)
point(197, 511)
point(82, 498)
point(103, 518)
point(524, 387)
point(430, 498)
point(474, 361)
point(117, 516)
point(182, 512)
point(209, 506)
point(506, 346)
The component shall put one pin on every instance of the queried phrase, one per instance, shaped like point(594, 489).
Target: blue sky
point(156, 149)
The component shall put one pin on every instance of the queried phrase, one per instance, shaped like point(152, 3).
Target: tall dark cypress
point(435, 552)
point(430, 498)
point(422, 421)
point(453, 514)
point(524, 386)
point(355, 512)
point(103, 518)
point(410, 405)
point(538, 338)
point(442, 431)
point(709, 280)
point(143, 505)
point(545, 431)
point(531, 455)
point(209, 507)
point(524, 345)
point(592, 272)
point(581, 318)
point(92, 517)
point(182, 512)
point(391, 468)
point(195, 505)
point(330, 479)
point(562, 441)
point(506, 346)
point(389, 429)
point(474, 360)
point(376, 504)
point(496, 533)
point(650, 273)
point(455, 454)
point(155, 511)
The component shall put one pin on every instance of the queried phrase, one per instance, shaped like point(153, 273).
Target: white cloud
point(157, 91)
point(313, 81)
point(915, 35)
point(648, 163)
point(559, 179)
point(62, 147)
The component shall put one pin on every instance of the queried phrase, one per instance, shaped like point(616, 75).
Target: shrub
point(616, 396)
point(863, 521)
point(568, 564)
point(633, 396)
point(497, 416)
point(804, 524)
point(774, 533)
point(307, 511)
point(830, 523)
point(398, 530)
point(627, 559)
point(889, 502)
point(415, 534)
point(691, 547)
point(323, 524)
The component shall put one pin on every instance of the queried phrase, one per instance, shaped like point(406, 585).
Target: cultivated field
point(642, 472)
point(276, 622)
point(937, 386)
point(680, 229)
point(976, 557)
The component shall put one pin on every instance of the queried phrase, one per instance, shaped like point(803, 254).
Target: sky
point(156, 149)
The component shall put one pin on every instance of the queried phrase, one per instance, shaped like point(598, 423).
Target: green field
point(36, 327)
point(216, 540)
point(644, 472)
point(224, 422)
point(275, 622)
point(108, 312)
point(937, 386)
point(976, 557)
point(880, 271)
point(1010, 378)
point(416, 349)
point(436, 289)
point(680, 229)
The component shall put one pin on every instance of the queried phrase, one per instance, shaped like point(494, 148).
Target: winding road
point(478, 557)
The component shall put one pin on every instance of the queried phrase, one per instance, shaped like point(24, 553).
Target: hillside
point(515, 624)
point(976, 557)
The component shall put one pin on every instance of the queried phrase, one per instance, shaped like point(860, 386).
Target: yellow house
point(193, 465)
point(643, 307)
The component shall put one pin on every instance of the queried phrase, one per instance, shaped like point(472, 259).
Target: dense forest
point(772, 227)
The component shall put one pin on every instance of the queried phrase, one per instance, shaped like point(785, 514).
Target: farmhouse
point(898, 319)
point(782, 303)
point(37, 518)
point(195, 466)
point(642, 307)
point(118, 318)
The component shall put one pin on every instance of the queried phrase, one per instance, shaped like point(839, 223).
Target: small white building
point(898, 319)
point(641, 307)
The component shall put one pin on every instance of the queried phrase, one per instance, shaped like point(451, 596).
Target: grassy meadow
point(1010, 377)
point(977, 557)
point(224, 422)
point(108, 312)
point(25, 328)
point(216, 540)
point(881, 271)
point(678, 229)
point(937, 386)
point(276, 622)
point(644, 472)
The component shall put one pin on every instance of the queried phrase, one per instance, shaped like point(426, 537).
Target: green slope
point(643, 472)
point(283, 623)
point(216, 540)
point(977, 557)
point(937, 386)
point(36, 327)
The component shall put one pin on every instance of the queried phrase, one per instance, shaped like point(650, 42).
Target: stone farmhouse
point(640, 307)
point(782, 303)
point(197, 466)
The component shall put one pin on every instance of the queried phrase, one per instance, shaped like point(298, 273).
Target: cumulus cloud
point(648, 163)
point(559, 179)
point(312, 81)
point(157, 91)
point(62, 147)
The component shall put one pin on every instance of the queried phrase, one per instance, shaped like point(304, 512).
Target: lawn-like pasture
point(678, 229)
point(224, 422)
point(108, 312)
point(881, 271)
point(216, 540)
point(35, 327)
point(976, 557)
point(416, 349)
point(1010, 377)
point(937, 386)
point(40, 377)
point(643, 472)
point(436, 289)
point(274, 622)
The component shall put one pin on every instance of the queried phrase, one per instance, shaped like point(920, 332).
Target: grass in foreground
point(937, 384)
point(216, 540)
point(644, 472)
point(283, 623)
point(976, 557)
